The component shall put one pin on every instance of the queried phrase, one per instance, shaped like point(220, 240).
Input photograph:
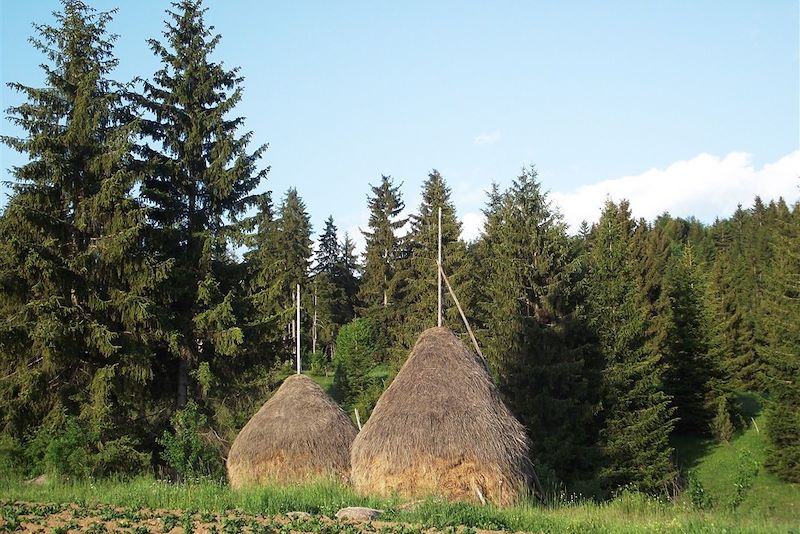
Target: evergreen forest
point(147, 290)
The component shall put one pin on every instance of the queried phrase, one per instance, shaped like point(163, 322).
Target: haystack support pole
point(297, 330)
point(461, 311)
point(439, 270)
point(314, 332)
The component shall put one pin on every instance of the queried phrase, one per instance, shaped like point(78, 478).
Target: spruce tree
point(200, 180)
point(690, 369)
point(636, 412)
point(733, 340)
point(264, 293)
point(417, 294)
point(294, 261)
point(348, 269)
point(377, 293)
point(781, 352)
point(330, 309)
point(77, 289)
point(531, 329)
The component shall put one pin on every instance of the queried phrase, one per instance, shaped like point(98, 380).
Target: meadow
point(728, 491)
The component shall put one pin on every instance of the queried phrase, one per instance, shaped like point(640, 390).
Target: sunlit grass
point(630, 512)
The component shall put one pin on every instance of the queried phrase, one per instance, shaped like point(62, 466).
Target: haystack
point(442, 429)
point(299, 434)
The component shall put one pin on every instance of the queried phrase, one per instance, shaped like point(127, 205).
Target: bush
point(356, 345)
point(186, 451)
point(319, 363)
point(722, 425)
point(697, 493)
point(11, 457)
point(746, 470)
point(120, 457)
point(59, 447)
point(65, 446)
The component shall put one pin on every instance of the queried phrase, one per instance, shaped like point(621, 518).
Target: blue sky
point(605, 98)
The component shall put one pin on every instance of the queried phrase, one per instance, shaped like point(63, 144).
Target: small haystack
point(299, 434)
point(442, 429)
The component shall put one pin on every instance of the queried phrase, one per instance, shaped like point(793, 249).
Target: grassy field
point(730, 492)
point(627, 513)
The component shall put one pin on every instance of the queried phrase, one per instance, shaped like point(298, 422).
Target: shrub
point(697, 493)
point(355, 350)
point(746, 470)
point(185, 450)
point(319, 363)
point(11, 457)
point(722, 424)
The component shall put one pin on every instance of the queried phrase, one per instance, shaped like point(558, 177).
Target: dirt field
point(18, 516)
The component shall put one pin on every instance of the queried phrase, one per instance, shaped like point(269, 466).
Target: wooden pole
point(463, 317)
point(358, 420)
point(439, 271)
point(297, 330)
point(314, 330)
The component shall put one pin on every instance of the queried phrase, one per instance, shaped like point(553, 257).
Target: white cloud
point(487, 138)
point(705, 186)
point(471, 225)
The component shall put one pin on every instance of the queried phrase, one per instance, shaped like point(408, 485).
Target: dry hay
point(299, 434)
point(441, 428)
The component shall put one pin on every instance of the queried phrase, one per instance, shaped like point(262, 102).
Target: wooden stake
point(439, 270)
point(463, 317)
point(297, 330)
point(358, 419)
point(314, 330)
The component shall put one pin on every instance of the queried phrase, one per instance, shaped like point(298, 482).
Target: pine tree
point(200, 180)
point(781, 352)
point(264, 300)
point(690, 369)
point(532, 333)
point(294, 261)
point(417, 294)
point(637, 416)
point(733, 341)
point(328, 249)
point(330, 309)
point(377, 292)
point(349, 268)
point(77, 290)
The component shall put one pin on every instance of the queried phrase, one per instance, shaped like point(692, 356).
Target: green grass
point(325, 382)
point(627, 513)
point(719, 466)
point(765, 505)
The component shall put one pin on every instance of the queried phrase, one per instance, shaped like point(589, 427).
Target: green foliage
point(185, 449)
point(356, 345)
point(746, 470)
point(66, 446)
point(77, 291)
point(689, 368)
point(199, 179)
point(11, 456)
point(415, 277)
point(377, 292)
point(698, 495)
point(531, 329)
point(781, 351)
point(319, 363)
point(637, 417)
point(722, 426)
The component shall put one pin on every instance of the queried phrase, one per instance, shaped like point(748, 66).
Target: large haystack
point(442, 429)
point(299, 434)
